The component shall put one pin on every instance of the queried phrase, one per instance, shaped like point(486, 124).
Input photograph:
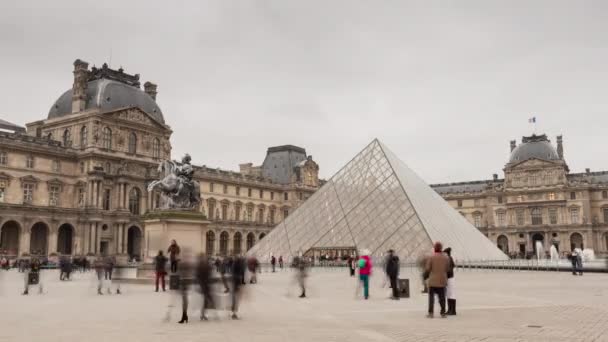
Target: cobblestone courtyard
point(492, 306)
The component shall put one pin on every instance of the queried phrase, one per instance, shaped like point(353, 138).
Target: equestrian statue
point(178, 189)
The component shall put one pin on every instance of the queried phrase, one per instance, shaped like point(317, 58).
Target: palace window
point(604, 193)
point(285, 213)
point(249, 214)
point(300, 196)
point(551, 196)
point(476, 202)
point(574, 215)
point(261, 215)
point(519, 215)
point(459, 203)
point(533, 179)
point(477, 220)
point(67, 141)
point(272, 212)
point(2, 190)
point(56, 166)
point(237, 212)
point(225, 188)
point(81, 167)
point(537, 216)
point(84, 137)
point(499, 199)
point(53, 195)
point(3, 158)
point(81, 196)
point(29, 161)
point(553, 215)
point(606, 215)
point(156, 148)
point(108, 167)
point(249, 192)
point(28, 192)
point(106, 199)
point(134, 201)
point(286, 196)
point(106, 138)
point(224, 212)
point(238, 191)
point(261, 193)
point(573, 195)
point(132, 143)
point(272, 195)
point(211, 208)
point(500, 216)
point(210, 187)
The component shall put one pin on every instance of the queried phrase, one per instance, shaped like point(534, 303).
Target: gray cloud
point(445, 84)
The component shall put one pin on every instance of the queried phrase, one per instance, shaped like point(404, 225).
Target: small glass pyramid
point(376, 202)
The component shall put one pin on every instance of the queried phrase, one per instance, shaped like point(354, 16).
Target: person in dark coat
point(160, 262)
point(253, 265)
point(273, 262)
point(99, 269)
point(450, 293)
point(174, 252)
point(203, 277)
point(238, 274)
point(392, 271)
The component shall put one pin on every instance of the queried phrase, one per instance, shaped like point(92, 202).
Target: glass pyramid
point(377, 203)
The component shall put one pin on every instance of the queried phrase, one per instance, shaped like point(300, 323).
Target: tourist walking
point(392, 272)
point(225, 268)
point(421, 263)
point(238, 274)
point(32, 276)
point(99, 270)
point(302, 273)
point(365, 271)
point(185, 276)
point(576, 257)
point(174, 252)
point(273, 262)
point(252, 265)
point(451, 296)
point(281, 262)
point(160, 263)
point(437, 273)
point(203, 277)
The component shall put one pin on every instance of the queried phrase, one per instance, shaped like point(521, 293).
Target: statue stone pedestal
point(187, 227)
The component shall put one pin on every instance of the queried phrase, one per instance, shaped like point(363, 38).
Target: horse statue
point(178, 189)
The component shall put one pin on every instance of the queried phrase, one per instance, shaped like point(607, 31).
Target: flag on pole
point(532, 119)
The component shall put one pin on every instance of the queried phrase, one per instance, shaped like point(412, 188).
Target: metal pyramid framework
point(376, 202)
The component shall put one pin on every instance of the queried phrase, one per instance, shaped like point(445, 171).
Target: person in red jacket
point(365, 271)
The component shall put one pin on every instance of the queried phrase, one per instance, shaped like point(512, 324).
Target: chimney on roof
point(150, 89)
point(79, 88)
point(513, 145)
point(560, 147)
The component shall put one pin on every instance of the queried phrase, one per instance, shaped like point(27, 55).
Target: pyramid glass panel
point(376, 202)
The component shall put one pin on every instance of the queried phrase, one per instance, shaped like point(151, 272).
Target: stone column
point(52, 241)
point(124, 238)
point(90, 193)
point(24, 242)
point(216, 243)
point(99, 194)
point(119, 201)
point(97, 237)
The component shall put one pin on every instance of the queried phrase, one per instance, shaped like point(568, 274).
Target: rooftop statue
point(178, 189)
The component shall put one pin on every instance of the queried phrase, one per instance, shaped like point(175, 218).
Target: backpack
point(362, 263)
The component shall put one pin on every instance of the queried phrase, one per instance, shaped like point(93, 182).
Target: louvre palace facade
point(75, 182)
point(537, 200)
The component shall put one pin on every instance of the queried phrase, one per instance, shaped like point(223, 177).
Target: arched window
point(237, 243)
point(67, 137)
point(134, 201)
point(224, 243)
point(604, 194)
point(503, 243)
point(537, 216)
point(209, 248)
point(84, 137)
point(107, 138)
point(132, 143)
point(156, 148)
point(250, 240)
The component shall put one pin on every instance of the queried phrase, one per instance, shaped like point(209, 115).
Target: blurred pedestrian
point(225, 268)
point(32, 276)
point(392, 272)
point(203, 277)
point(352, 264)
point(160, 263)
point(421, 263)
point(252, 265)
point(437, 273)
point(451, 296)
point(186, 274)
point(301, 267)
point(273, 262)
point(99, 266)
point(174, 252)
point(238, 274)
point(281, 262)
point(365, 271)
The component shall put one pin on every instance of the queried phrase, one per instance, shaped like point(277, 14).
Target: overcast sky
point(445, 85)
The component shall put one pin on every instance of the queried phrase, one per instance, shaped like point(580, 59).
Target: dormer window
point(132, 143)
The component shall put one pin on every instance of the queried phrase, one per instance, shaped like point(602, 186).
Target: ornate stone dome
point(107, 90)
point(535, 146)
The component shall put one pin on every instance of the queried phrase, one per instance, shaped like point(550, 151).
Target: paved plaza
point(492, 306)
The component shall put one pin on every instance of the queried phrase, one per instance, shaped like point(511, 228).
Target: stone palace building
point(75, 182)
point(538, 200)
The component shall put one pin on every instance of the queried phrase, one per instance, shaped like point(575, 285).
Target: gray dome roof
point(534, 149)
point(108, 95)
